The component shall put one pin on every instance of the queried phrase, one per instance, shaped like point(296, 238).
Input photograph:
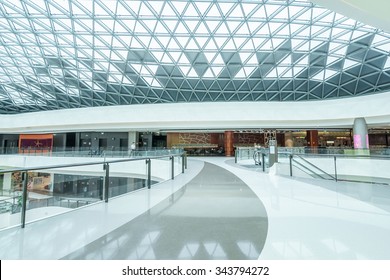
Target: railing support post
point(290, 157)
point(185, 163)
point(263, 160)
point(24, 199)
point(335, 168)
point(172, 167)
point(235, 155)
point(149, 181)
point(182, 163)
point(106, 167)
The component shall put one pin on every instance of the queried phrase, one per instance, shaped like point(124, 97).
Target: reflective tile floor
point(215, 216)
point(311, 219)
point(218, 210)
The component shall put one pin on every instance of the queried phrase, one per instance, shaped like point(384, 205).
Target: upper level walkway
point(215, 210)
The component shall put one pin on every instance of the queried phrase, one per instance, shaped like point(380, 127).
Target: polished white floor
point(216, 216)
point(305, 220)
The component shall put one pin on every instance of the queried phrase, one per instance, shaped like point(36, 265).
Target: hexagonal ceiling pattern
point(58, 54)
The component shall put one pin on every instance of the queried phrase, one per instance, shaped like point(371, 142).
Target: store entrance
point(160, 141)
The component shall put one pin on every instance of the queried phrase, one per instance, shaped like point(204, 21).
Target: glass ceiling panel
point(387, 64)
point(348, 63)
point(191, 11)
point(158, 45)
point(209, 74)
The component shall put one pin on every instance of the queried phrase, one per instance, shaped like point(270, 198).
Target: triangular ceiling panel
point(211, 50)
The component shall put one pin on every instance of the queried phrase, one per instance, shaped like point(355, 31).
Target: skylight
point(162, 48)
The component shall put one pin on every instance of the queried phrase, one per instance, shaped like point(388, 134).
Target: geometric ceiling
point(57, 54)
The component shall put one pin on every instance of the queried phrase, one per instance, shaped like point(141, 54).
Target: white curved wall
point(374, 12)
point(214, 115)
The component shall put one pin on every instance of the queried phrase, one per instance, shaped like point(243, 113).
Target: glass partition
point(51, 191)
point(353, 168)
point(252, 157)
point(330, 164)
point(244, 154)
point(125, 177)
point(115, 152)
point(314, 166)
point(31, 194)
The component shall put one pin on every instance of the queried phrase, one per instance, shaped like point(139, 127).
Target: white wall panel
point(227, 115)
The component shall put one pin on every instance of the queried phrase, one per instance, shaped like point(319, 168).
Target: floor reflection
point(215, 216)
point(377, 195)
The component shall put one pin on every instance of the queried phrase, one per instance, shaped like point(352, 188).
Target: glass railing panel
point(155, 152)
point(49, 192)
point(313, 150)
point(252, 157)
point(161, 169)
point(245, 154)
point(120, 152)
point(178, 165)
point(98, 153)
point(58, 190)
point(291, 150)
point(10, 200)
point(375, 151)
point(372, 169)
point(127, 176)
point(312, 166)
point(123, 185)
point(358, 168)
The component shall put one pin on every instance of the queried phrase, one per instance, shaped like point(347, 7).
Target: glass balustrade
point(359, 165)
point(29, 194)
point(114, 152)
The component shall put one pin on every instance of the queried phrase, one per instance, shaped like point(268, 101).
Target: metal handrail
point(307, 168)
point(85, 163)
point(301, 167)
point(88, 152)
point(311, 164)
point(338, 155)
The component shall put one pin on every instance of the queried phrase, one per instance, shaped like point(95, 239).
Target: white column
point(360, 134)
